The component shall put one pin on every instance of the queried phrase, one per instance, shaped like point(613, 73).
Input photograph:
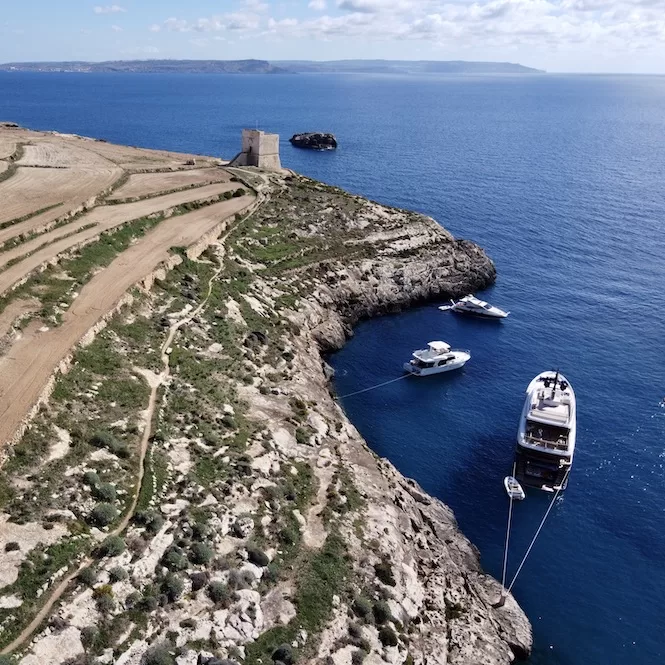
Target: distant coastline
point(273, 67)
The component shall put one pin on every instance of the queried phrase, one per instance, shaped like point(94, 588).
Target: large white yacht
point(436, 358)
point(472, 305)
point(546, 435)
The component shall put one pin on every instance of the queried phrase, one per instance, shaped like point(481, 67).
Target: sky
point(556, 35)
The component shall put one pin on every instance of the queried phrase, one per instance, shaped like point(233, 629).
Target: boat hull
point(458, 363)
point(481, 315)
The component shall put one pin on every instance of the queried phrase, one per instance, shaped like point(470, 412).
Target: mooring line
point(364, 390)
point(540, 526)
point(505, 549)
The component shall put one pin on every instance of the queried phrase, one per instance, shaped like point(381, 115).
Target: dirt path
point(143, 449)
point(25, 370)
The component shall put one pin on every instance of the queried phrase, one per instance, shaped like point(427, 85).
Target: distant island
point(275, 67)
point(406, 67)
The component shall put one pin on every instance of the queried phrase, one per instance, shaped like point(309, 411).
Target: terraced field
point(144, 184)
point(43, 244)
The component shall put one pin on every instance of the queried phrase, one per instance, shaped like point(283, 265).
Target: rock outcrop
point(314, 141)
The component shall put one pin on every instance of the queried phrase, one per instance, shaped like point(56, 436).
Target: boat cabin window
point(443, 362)
point(422, 364)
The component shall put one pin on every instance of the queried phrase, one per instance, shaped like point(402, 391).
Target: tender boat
point(546, 434)
point(472, 305)
point(436, 358)
point(513, 488)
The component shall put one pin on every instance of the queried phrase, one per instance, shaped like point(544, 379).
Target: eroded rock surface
point(266, 529)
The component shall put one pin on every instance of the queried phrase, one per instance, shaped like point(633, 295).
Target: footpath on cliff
point(225, 510)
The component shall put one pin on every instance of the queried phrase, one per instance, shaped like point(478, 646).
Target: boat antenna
point(556, 378)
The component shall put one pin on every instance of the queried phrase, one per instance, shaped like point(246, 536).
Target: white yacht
point(472, 305)
point(546, 434)
point(436, 358)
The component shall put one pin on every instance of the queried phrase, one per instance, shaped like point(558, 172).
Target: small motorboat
point(476, 307)
point(513, 488)
point(436, 358)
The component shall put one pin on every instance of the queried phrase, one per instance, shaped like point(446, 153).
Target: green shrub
point(87, 576)
point(384, 571)
point(158, 655)
point(112, 546)
point(357, 657)
point(91, 478)
point(172, 586)
point(388, 636)
point(104, 492)
point(148, 603)
point(200, 553)
point(240, 579)
point(355, 630)
point(362, 608)
point(103, 514)
point(105, 604)
point(382, 612)
point(302, 436)
point(219, 593)
point(117, 574)
point(133, 600)
point(174, 558)
point(12, 546)
point(151, 520)
point(257, 557)
point(105, 439)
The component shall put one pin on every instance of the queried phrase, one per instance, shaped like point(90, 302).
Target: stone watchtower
point(258, 149)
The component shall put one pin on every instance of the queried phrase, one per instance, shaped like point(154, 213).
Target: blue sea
point(562, 180)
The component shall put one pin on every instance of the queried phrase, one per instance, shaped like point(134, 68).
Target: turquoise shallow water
point(561, 180)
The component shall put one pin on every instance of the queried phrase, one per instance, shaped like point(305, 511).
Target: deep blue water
point(561, 179)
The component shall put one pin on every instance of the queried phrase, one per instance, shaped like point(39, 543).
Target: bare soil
point(144, 184)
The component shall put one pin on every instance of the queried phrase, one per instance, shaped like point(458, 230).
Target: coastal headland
point(178, 484)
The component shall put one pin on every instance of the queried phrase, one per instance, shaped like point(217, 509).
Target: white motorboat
point(472, 305)
point(513, 488)
point(547, 432)
point(436, 358)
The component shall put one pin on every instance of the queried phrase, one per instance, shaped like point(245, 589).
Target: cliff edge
point(191, 493)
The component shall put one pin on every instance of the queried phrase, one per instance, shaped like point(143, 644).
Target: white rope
point(542, 523)
point(364, 390)
point(505, 549)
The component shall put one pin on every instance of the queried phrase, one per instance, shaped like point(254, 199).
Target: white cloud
point(486, 26)
point(108, 9)
point(235, 21)
point(116, 28)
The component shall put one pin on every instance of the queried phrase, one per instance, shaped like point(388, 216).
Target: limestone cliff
point(265, 530)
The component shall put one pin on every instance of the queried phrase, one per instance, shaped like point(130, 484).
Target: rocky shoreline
point(266, 531)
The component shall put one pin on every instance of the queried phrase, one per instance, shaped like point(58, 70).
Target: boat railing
point(544, 443)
